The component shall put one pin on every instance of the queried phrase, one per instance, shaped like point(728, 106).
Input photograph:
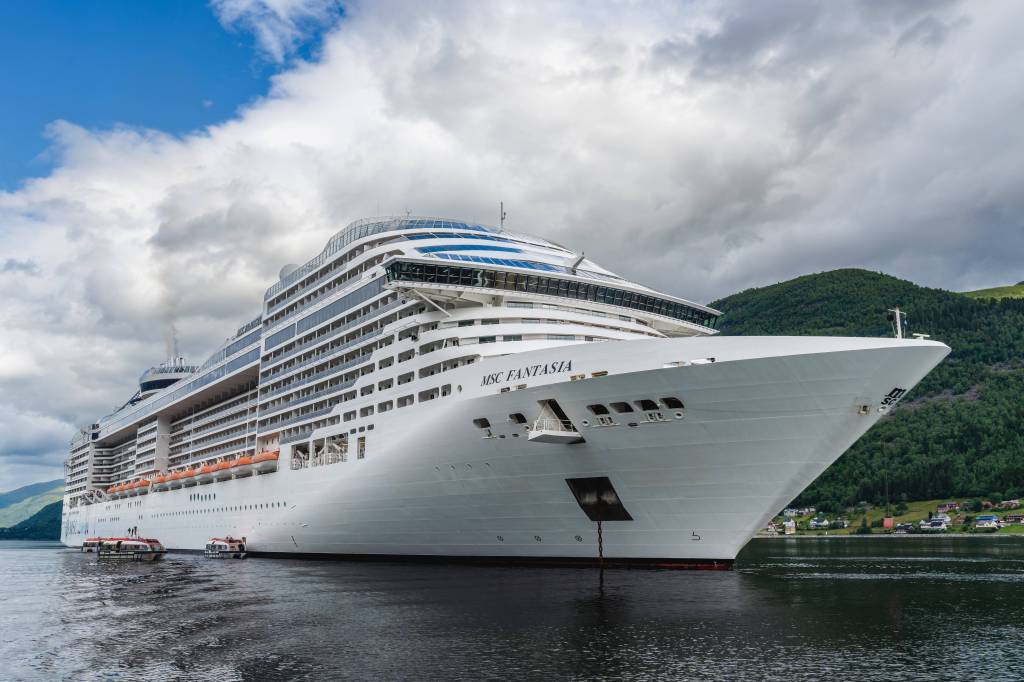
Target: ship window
point(647, 405)
point(517, 418)
point(466, 323)
point(598, 409)
point(621, 407)
point(673, 403)
point(512, 337)
point(488, 339)
point(489, 321)
point(482, 423)
point(361, 451)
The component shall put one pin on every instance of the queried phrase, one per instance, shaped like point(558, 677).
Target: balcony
point(554, 431)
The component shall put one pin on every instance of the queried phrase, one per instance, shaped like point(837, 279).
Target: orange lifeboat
point(111, 490)
point(265, 462)
point(142, 486)
point(159, 482)
point(205, 473)
point(130, 488)
point(174, 479)
point(242, 466)
point(188, 476)
point(222, 470)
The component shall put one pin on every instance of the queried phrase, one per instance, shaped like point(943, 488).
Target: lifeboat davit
point(205, 473)
point(159, 482)
point(188, 477)
point(242, 466)
point(174, 479)
point(222, 471)
point(266, 462)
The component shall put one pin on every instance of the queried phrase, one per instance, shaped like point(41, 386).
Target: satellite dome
point(287, 270)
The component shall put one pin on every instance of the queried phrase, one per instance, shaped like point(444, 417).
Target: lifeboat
point(130, 549)
point(130, 488)
point(205, 473)
point(142, 486)
point(174, 479)
point(242, 466)
point(266, 462)
point(225, 548)
point(188, 477)
point(159, 482)
point(222, 471)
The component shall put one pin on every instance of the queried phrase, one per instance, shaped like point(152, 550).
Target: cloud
point(25, 267)
point(279, 26)
point(697, 147)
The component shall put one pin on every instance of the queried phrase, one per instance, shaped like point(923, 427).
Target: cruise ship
point(431, 389)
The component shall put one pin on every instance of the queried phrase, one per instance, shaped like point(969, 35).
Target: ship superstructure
point(433, 388)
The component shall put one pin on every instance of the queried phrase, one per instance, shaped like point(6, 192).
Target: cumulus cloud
point(699, 148)
point(279, 26)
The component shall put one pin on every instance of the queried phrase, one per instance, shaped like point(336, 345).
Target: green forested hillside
point(18, 505)
point(959, 433)
point(43, 525)
point(1013, 291)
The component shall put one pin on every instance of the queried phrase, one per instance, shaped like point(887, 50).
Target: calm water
point(881, 609)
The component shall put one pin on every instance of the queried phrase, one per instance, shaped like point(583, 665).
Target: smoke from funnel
point(169, 317)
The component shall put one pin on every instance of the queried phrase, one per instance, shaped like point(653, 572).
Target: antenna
point(898, 319)
point(501, 220)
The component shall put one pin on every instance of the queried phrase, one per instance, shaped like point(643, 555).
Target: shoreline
point(928, 536)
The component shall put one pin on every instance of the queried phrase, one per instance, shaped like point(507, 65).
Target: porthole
point(585, 422)
point(678, 415)
point(579, 538)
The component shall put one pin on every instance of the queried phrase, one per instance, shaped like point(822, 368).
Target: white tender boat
point(130, 549)
point(225, 548)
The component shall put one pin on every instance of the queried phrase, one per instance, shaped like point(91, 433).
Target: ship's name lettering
point(526, 372)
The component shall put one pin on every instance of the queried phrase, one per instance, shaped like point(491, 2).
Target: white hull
point(760, 424)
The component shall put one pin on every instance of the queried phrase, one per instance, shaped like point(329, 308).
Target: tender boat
point(206, 473)
point(91, 544)
point(242, 466)
point(222, 471)
point(130, 549)
point(266, 462)
point(225, 548)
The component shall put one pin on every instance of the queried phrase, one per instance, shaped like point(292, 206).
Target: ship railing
point(547, 424)
point(277, 372)
point(336, 332)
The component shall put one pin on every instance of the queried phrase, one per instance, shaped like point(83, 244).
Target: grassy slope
point(25, 508)
point(43, 525)
point(18, 494)
point(959, 432)
point(1013, 291)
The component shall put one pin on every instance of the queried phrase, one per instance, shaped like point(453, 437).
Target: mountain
point(18, 494)
point(21, 503)
point(43, 525)
point(1013, 291)
point(958, 433)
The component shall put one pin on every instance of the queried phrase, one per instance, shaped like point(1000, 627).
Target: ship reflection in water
point(879, 609)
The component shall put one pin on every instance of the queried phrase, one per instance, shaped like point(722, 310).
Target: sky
point(159, 162)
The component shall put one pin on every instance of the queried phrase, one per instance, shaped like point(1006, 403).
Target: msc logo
point(893, 397)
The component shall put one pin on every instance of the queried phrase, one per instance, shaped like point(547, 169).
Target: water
point(842, 609)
